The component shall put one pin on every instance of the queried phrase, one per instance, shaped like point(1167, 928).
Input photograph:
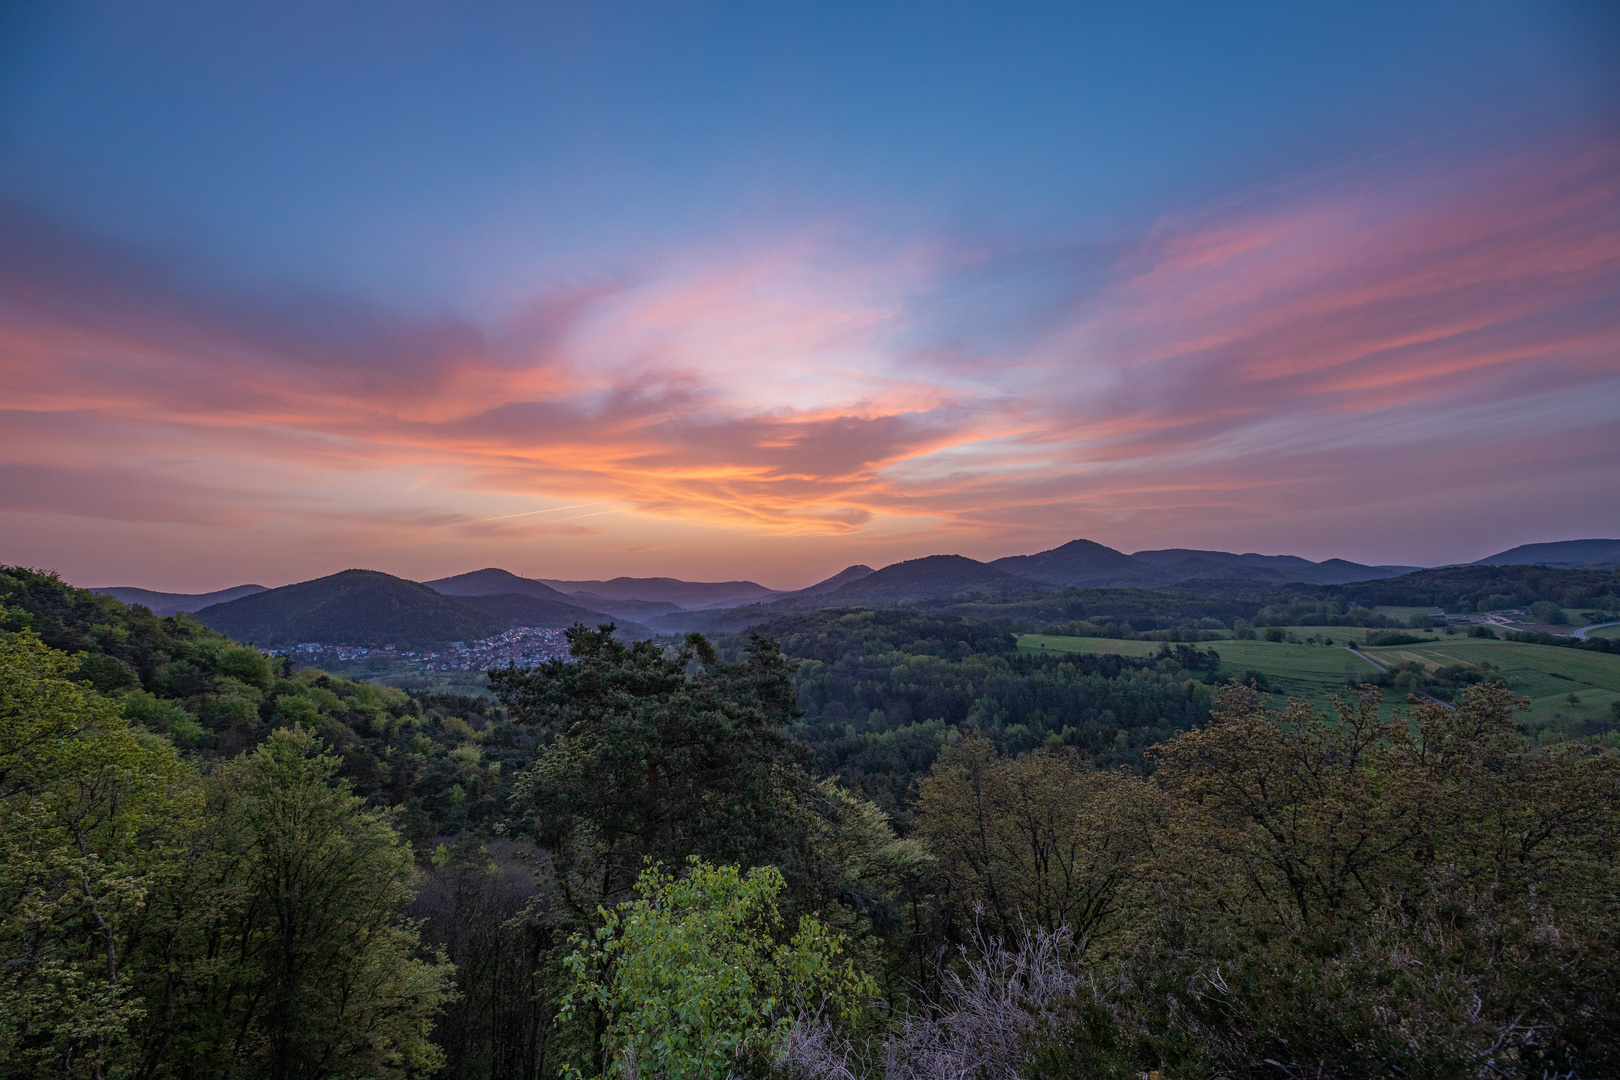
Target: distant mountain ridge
point(685, 594)
point(367, 607)
point(928, 578)
point(933, 577)
point(1172, 556)
point(492, 581)
point(172, 603)
point(356, 606)
point(363, 606)
point(1076, 561)
point(1562, 554)
point(838, 580)
point(1087, 563)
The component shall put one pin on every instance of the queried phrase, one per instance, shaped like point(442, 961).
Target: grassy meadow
point(1312, 672)
point(1547, 675)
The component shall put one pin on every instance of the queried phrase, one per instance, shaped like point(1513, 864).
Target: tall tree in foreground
point(1361, 893)
point(90, 815)
point(283, 954)
point(1045, 840)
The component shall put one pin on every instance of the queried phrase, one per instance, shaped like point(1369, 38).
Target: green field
point(470, 683)
point(1547, 675)
point(1052, 643)
point(1312, 672)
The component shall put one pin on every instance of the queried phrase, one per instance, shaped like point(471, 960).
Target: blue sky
point(439, 150)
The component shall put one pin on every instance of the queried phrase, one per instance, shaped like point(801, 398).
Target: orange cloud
point(1245, 363)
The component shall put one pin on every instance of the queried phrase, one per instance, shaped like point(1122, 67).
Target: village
point(523, 646)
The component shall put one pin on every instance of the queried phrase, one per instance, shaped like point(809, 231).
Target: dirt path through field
point(1367, 658)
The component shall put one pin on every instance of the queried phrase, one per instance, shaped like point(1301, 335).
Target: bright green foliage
point(89, 814)
point(693, 981)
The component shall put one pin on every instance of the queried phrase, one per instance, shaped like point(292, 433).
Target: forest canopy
point(861, 843)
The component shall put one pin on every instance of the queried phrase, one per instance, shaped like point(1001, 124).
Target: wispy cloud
point(1350, 343)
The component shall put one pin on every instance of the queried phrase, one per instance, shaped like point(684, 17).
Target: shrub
point(1548, 613)
point(1393, 637)
point(692, 980)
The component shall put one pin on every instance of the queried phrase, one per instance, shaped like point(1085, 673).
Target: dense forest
point(883, 691)
point(1198, 610)
point(859, 843)
point(1204, 611)
point(1452, 589)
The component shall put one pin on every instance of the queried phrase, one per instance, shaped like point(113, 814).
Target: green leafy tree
point(657, 755)
point(693, 981)
point(1355, 894)
point(90, 810)
point(1350, 895)
point(283, 954)
point(1548, 613)
point(1045, 840)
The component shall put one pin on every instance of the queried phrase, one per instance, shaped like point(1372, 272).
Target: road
point(1367, 658)
point(1581, 633)
point(1381, 667)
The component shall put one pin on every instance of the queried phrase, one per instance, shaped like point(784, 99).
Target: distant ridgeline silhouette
point(366, 606)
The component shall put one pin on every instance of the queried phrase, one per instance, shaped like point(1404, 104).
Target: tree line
point(1198, 611)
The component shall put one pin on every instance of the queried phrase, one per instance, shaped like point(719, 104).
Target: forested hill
point(365, 607)
point(1455, 589)
point(1567, 554)
point(215, 698)
point(1194, 608)
point(956, 585)
point(166, 603)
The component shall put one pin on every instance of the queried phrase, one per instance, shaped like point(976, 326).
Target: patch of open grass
point(1313, 672)
point(1113, 646)
point(470, 683)
point(1547, 675)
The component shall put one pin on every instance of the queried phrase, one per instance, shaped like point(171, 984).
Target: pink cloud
point(807, 387)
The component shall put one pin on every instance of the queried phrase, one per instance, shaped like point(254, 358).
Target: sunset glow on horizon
point(760, 350)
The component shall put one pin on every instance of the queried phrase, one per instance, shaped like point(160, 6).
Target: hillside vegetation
point(364, 607)
point(214, 698)
point(896, 844)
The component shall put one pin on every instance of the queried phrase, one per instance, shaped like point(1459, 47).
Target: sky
point(762, 290)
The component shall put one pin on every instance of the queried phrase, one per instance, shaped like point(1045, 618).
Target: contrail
point(549, 510)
